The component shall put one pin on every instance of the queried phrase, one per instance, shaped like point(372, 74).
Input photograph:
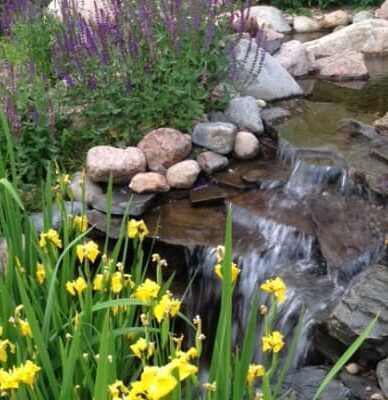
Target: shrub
point(295, 4)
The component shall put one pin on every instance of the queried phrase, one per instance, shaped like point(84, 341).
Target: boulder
point(260, 16)
point(335, 19)
point(356, 309)
point(84, 188)
point(267, 80)
point(382, 375)
point(382, 12)
point(87, 8)
point(349, 65)
point(363, 15)
point(294, 58)
point(275, 115)
point(149, 182)
point(245, 113)
point(273, 40)
point(303, 24)
point(122, 163)
point(183, 175)
point(164, 147)
point(366, 37)
point(212, 162)
point(246, 146)
point(382, 123)
point(216, 136)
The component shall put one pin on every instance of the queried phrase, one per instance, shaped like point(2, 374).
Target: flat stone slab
point(208, 196)
point(380, 152)
point(366, 298)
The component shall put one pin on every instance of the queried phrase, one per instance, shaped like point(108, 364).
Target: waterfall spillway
point(288, 251)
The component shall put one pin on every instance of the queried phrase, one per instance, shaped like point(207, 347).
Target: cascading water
point(288, 252)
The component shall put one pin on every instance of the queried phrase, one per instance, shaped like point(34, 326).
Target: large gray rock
point(212, 162)
point(366, 37)
point(84, 188)
point(149, 182)
point(363, 15)
point(347, 66)
point(294, 58)
point(245, 113)
point(246, 145)
point(275, 115)
point(382, 12)
point(164, 147)
point(87, 8)
point(303, 24)
point(382, 375)
point(216, 136)
point(367, 298)
point(268, 80)
point(183, 175)
point(335, 19)
point(101, 161)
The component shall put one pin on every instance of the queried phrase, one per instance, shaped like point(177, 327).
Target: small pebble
point(368, 389)
point(353, 369)
point(261, 103)
point(377, 396)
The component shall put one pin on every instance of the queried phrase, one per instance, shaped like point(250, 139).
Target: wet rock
point(365, 37)
point(72, 208)
point(212, 162)
point(303, 24)
point(149, 182)
point(380, 152)
point(377, 396)
point(382, 123)
point(101, 161)
point(245, 113)
point(382, 375)
point(350, 65)
point(348, 242)
point(137, 203)
point(208, 196)
point(354, 127)
point(382, 184)
point(336, 18)
point(246, 146)
point(366, 298)
point(363, 15)
point(304, 383)
point(84, 188)
point(275, 115)
point(382, 12)
point(294, 58)
point(183, 175)
point(269, 81)
point(216, 136)
point(363, 385)
point(164, 147)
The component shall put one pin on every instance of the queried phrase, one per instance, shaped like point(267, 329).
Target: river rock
point(382, 12)
point(304, 383)
point(212, 162)
point(207, 196)
point(303, 24)
point(122, 163)
point(246, 145)
point(216, 136)
point(382, 123)
point(336, 18)
point(84, 187)
point(380, 151)
point(363, 15)
point(382, 375)
point(149, 182)
point(183, 175)
point(164, 147)
point(353, 127)
point(349, 65)
point(273, 41)
point(294, 58)
point(245, 113)
point(269, 81)
point(366, 37)
point(263, 15)
point(366, 298)
point(275, 115)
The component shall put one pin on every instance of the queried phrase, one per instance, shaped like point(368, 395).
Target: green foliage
point(298, 4)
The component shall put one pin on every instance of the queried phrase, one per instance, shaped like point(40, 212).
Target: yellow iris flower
point(50, 236)
point(275, 286)
point(166, 306)
point(89, 250)
point(147, 291)
point(80, 222)
point(254, 371)
point(235, 271)
point(40, 273)
point(77, 286)
point(272, 342)
point(142, 347)
point(137, 229)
